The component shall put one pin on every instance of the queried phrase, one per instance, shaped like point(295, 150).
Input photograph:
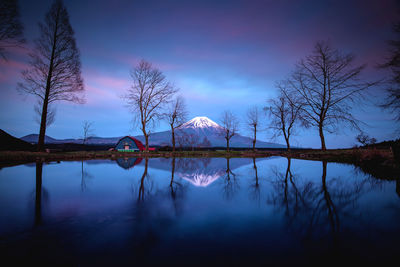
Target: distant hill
point(9, 142)
point(33, 139)
point(199, 129)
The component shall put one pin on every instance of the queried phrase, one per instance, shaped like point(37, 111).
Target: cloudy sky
point(221, 54)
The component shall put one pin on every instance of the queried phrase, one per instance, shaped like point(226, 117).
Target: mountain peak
point(200, 122)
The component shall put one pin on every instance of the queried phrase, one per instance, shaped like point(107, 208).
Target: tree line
point(319, 93)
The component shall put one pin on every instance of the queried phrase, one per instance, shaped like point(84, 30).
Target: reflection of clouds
point(201, 179)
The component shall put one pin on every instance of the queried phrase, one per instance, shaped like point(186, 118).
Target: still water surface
point(197, 211)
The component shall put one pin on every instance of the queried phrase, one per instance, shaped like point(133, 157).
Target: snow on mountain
point(200, 122)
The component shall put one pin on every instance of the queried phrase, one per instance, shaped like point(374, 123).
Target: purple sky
point(221, 54)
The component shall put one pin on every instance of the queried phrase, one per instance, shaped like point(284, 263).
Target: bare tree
point(55, 67)
point(392, 101)
point(11, 29)
point(284, 112)
point(253, 121)
point(88, 131)
point(176, 116)
point(205, 142)
point(328, 85)
point(148, 95)
point(364, 139)
point(230, 125)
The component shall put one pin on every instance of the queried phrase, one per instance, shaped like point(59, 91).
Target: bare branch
point(11, 29)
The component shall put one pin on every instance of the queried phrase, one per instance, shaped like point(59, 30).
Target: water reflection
point(127, 163)
point(155, 210)
point(255, 186)
point(38, 194)
point(314, 210)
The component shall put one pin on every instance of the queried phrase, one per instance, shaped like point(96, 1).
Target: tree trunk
point(227, 144)
point(146, 136)
point(287, 144)
point(255, 138)
point(43, 120)
point(173, 138)
point(321, 135)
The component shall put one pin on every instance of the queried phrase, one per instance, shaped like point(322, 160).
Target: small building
point(129, 144)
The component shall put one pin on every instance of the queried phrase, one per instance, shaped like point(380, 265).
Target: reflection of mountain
point(200, 179)
point(199, 171)
point(128, 163)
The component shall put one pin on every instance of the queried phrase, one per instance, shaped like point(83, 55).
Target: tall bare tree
point(55, 67)
point(11, 29)
point(147, 96)
point(230, 125)
point(392, 63)
point(253, 123)
point(328, 85)
point(175, 116)
point(284, 112)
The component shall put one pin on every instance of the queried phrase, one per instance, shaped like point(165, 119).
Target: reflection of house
point(128, 163)
point(129, 144)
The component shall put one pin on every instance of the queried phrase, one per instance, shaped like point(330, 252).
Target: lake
point(197, 211)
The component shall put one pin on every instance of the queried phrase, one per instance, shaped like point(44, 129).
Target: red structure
point(129, 143)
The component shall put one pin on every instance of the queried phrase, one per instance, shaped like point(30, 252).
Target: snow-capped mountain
point(200, 130)
point(203, 130)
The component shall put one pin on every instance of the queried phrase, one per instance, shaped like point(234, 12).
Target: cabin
point(129, 144)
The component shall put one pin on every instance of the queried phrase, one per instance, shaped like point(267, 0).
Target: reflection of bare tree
point(188, 164)
point(255, 188)
point(38, 195)
point(84, 175)
point(310, 207)
point(176, 189)
point(142, 192)
point(231, 183)
point(205, 161)
point(41, 194)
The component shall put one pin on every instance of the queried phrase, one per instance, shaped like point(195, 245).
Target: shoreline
point(378, 162)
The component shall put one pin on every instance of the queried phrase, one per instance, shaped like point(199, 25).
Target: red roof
point(137, 142)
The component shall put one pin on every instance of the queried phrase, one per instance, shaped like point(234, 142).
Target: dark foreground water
point(189, 212)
